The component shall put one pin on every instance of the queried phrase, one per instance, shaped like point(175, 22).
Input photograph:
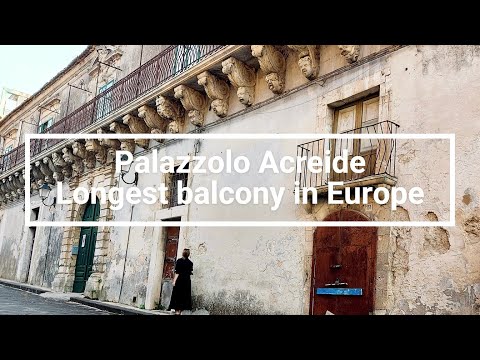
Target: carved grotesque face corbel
point(245, 95)
point(195, 117)
point(227, 66)
point(90, 145)
point(220, 107)
point(275, 84)
point(173, 127)
point(305, 64)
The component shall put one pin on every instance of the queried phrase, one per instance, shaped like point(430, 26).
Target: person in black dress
point(182, 287)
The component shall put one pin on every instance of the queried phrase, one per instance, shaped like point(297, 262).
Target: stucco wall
point(24, 255)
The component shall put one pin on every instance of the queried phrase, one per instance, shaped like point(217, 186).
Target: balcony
point(379, 155)
point(167, 65)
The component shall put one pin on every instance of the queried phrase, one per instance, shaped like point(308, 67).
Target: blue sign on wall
point(340, 291)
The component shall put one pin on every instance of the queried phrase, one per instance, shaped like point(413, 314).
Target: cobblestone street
point(19, 302)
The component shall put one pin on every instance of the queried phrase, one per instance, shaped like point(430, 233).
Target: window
point(359, 117)
point(104, 104)
point(48, 113)
point(8, 149)
point(185, 55)
point(45, 125)
point(174, 189)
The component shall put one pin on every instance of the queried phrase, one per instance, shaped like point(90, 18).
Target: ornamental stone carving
point(137, 126)
point(90, 161)
point(194, 102)
point(113, 144)
point(14, 188)
point(217, 90)
point(350, 52)
point(308, 59)
point(75, 161)
point(93, 146)
point(58, 160)
point(45, 170)
point(242, 77)
point(171, 110)
point(125, 144)
point(173, 127)
point(21, 177)
point(37, 176)
point(152, 119)
point(78, 149)
point(67, 171)
point(273, 66)
point(56, 170)
point(19, 182)
point(10, 190)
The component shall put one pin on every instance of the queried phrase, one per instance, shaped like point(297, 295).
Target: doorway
point(343, 272)
point(172, 234)
point(86, 248)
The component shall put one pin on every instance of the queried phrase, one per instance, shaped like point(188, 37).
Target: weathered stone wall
point(25, 259)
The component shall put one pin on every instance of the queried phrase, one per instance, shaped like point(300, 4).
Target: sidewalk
point(79, 298)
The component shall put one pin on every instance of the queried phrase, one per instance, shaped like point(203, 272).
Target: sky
point(28, 67)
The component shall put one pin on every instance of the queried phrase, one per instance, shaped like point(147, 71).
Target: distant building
point(10, 99)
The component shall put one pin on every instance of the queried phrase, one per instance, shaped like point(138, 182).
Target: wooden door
point(344, 267)
point(171, 247)
point(86, 248)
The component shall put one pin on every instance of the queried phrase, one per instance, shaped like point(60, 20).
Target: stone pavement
point(19, 302)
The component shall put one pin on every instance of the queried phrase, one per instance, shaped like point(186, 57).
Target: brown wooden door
point(344, 258)
point(171, 248)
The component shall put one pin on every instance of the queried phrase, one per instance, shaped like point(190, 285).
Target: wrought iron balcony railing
point(171, 62)
point(379, 155)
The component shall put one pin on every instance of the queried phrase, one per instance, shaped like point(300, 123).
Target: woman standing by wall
point(182, 286)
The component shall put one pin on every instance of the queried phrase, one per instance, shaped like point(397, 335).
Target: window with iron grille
point(174, 188)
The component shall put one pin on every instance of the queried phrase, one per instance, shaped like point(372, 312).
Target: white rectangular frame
point(450, 137)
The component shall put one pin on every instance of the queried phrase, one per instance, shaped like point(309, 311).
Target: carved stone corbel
point(37, 176)
point(57, 171)
point(8, 190)
point(125, 144)
point(75, 161)
point(154, 121)
point(59, 162)
point(67, 171)
point(171, 110)
point(93, 146)
point(350, 52)
point(45, 170)
point(217, 90)
point(242, 77)
point(137, 126)
point(13, 188)
point(21, 178)
point(194, 102)
point(109, 143)
point(90, 161)
point(5, 191)
point(112, 145)
point(19, 184)
point(308, 59)
point(78, 149)
point(273, 66)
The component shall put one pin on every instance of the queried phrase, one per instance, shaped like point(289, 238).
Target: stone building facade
point(254, 89)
